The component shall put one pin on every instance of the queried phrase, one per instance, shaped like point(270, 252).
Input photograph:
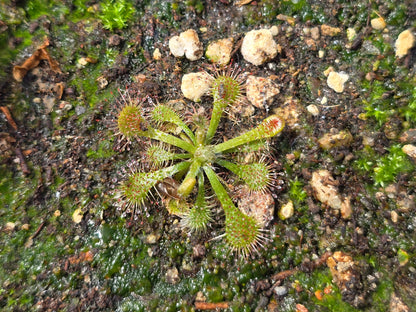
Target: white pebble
point(220, 51)
point(336, 81)
point(410, 150)
point(157, 55)
point(404, 43)
point(351, 34)
point(195, 85)
point(378, 23)
point(188, 44)
point(286, 211)
point(313, 110)
point(259, 47)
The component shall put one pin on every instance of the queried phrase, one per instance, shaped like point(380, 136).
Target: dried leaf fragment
point(242, 2)
point(87, 256)
point(9, 117)
point(289, 19)
point(20, 71)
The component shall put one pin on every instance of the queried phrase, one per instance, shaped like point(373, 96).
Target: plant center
point(205, 154)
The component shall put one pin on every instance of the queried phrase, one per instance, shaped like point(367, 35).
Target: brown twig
point(23, 165)
point(210, 305)
point(18, 151)
point(30, 239)
point(306, 266)
point(9, 117)
point(40, 227)
point(284, 274)
point(237, 46)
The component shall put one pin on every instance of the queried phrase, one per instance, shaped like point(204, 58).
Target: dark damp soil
point(65, 246)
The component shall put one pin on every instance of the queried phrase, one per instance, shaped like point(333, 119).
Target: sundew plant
point(185, 161)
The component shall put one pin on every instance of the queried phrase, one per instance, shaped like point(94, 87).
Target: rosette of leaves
point(191, 159)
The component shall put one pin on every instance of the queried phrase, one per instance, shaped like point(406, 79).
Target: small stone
point(260, 90)
point(49, 102)
point(310, 43)
point(114, 40)
point(315, 33)
point(195, 85)
point(241, 108)
point(336, 81)
point(157, 56)
point(176, 46)
point(391, 191)
point(330, 31)
point(172, 276)
point(141, 78)
point(351, 34)
point(186, 266)
point(290, 111)
point(404, 43)
point(394, 216)
point(280, 291)
point(397, 304)
point(152, 238)
point(150, 252)
point(274, 30)
point(65, 106)
point(188, 44)
point(83, 61)
point(200, 297)
point(77, 215)
point(325, 188)
point(378, 23)
point(369, 48)
point(409, 136)
point(199, 251)
point(410, 150)
point(87, 279)
point(9, 226)
point(102, 82)
point(259, 47)
point(286, 211)
point(79, 110)
point(289, 19)
point(25, 227)
point(321, 53)
point(406, 204)
point(219, 51)
point(301, 308)
point(313, 110)
point(346, 275)
point(335, 139)
point(346, 210)
point(368, 139)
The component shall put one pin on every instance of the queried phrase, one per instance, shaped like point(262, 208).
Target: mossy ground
point(106, 262)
